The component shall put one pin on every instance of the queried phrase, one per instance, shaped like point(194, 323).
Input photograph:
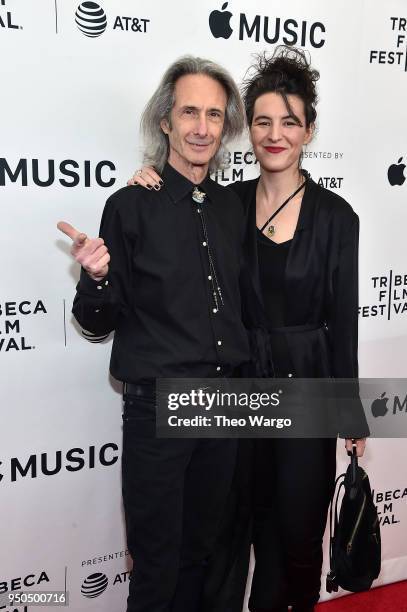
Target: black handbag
point(355, 544)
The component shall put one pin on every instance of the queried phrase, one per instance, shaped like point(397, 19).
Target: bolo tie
point(199, 198)
point(272, 228)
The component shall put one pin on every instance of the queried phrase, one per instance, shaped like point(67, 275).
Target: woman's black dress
point(308, 288)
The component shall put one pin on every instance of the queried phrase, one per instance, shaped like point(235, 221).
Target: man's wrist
point(89, 284)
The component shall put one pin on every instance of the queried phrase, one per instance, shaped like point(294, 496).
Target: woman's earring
point(303, 151)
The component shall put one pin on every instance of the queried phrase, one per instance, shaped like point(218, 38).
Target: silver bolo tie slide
point(198, 196)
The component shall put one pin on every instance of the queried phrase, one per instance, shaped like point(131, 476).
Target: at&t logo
point(97, 583)
point(94, 585)
point(92, 21)
point(267, 29)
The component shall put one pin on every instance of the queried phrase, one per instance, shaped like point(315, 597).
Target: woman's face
point(276, 136)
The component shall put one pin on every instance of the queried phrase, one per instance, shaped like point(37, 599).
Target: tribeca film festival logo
point(395, 173)
point(6, 18)
point(23, 583)
point(53, 463)
point(385, 501)
point(68, 173)
point(396, 57)
point(267, 29)
point(10, 323)
point(391, 296)
point(238, 163)
point(92, 21)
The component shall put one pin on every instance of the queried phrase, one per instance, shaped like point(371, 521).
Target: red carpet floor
point(383, 599)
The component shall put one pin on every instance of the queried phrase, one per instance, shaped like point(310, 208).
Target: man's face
point(197, 119)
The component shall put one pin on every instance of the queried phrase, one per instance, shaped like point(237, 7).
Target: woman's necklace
point(272, 228)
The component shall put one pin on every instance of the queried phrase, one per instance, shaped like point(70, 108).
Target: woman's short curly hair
point(287, 72)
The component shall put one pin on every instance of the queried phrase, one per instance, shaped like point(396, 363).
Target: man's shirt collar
point(178, 186)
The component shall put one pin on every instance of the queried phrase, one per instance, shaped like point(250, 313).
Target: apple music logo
point(266, 29)
point(219, 23)
point(379, 406)
point(395, 173)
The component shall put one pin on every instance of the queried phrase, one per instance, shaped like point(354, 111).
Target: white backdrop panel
point(69, 97)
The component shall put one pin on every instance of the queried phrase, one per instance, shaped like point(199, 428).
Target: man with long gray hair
point(164, 275)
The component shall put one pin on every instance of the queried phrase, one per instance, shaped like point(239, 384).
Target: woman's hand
point(360, 445)
point(147, 177)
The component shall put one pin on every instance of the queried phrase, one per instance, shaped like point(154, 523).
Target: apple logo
point(395, 173)
point(219, 23)
point(379, 407)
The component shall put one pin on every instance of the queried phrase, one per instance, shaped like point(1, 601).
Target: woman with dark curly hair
point(302, 248)
point(305, 240)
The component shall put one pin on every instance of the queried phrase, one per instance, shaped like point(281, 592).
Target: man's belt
point(140, 390)
point(289, 329)
point(148, 389)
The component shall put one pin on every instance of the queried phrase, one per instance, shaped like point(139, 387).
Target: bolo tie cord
point(199, 197)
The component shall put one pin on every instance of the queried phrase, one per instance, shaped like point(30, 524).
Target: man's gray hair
point(156, 144)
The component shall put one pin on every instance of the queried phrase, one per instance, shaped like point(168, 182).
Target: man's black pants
point(174, 492)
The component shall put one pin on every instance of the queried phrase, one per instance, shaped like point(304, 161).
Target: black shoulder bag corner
point(355, 544)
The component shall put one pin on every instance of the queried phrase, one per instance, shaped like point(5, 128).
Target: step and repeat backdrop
point(70, 105)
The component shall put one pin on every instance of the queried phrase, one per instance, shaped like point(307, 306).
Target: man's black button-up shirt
point(158, 293)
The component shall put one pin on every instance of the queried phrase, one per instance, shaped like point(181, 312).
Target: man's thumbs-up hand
point(91, 253)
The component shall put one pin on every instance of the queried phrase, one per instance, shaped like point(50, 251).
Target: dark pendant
point(271, 230)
